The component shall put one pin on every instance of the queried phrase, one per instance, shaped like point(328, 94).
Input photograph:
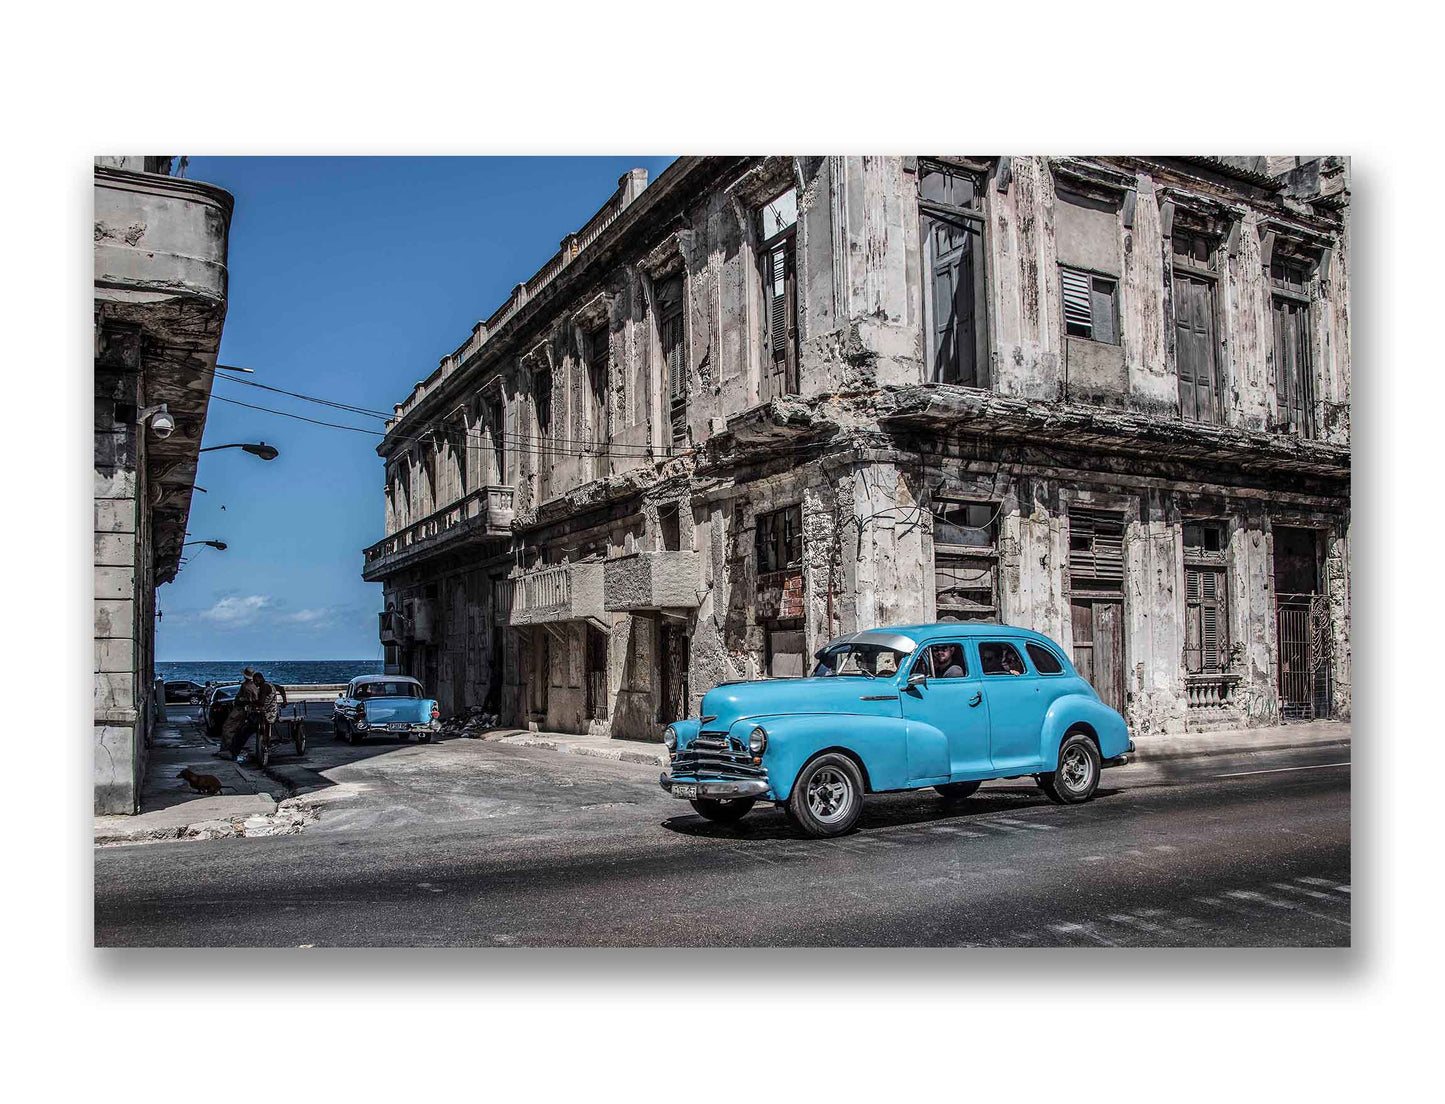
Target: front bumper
point(716, 787)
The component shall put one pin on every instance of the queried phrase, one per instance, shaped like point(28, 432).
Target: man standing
point(235, 730)
point(266, 708)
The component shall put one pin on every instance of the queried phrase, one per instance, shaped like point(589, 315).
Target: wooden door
point(1194, 347)
point(1099, 647)
point(1293, 375)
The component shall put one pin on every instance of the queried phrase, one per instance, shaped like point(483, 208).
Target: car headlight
point(757, 740)
point(669, 738)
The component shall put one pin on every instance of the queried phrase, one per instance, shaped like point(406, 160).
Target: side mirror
point(918, 678)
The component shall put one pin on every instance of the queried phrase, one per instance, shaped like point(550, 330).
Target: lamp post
point(263, 450)
point(219, 546)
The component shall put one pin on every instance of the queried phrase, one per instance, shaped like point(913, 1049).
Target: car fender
point(686, 731)
point(878, 743)
point(1107, 725)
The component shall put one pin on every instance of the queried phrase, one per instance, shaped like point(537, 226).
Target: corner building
point(761, 402)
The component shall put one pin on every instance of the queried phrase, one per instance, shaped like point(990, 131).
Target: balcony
point(550, 595)
point(650, 581)
point(484, 514)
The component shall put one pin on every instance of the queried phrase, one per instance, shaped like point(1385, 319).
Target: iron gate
point(1305, 651)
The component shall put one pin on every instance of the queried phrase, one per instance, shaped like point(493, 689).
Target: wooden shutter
point(1194, 347)
point(1078, 306)
point(1205, 642)
point(1096, 545)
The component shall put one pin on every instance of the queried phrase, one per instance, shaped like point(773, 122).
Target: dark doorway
point(1303, 624)
point(673, 661)
point(596, 674)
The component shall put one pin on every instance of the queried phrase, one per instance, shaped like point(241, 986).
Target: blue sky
point(349, 279)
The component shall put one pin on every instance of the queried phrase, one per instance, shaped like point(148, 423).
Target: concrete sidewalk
point(1153, 748)
point(170, 809)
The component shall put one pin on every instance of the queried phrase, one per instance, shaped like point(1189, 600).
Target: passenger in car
point(948, 661)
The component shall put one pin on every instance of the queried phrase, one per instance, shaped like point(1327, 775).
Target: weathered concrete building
point(765, 401)
point(160, 301)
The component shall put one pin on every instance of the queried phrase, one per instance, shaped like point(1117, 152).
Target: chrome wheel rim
point(1077, 768)
point(830, 795)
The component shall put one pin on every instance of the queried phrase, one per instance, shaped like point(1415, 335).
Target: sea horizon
point(290, 672)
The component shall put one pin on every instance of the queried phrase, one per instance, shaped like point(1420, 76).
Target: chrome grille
point(713, 755)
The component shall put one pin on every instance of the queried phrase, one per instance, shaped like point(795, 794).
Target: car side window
point(947, 660)
point(1045, 662)
point(998, 658)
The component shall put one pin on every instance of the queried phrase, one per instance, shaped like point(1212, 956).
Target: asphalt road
point(470, 843)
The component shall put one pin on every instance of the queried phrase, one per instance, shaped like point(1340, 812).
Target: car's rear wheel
point(338, 730)
point(827, 796)
point(1077, 776)
point(723, 810)
point(957, 791)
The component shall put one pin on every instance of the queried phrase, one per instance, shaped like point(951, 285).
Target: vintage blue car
point(947, 705)
point(384, 705)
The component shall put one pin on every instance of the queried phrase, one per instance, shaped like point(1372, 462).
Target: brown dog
point(207, 784)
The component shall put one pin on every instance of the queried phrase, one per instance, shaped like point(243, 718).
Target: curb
point(615, 754)
point(1144, 755)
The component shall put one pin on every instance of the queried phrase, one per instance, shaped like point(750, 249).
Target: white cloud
point(307, 616)
point(234, 613)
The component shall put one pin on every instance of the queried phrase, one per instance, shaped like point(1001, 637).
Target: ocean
point(287, 672)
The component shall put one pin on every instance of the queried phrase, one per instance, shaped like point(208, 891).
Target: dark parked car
point(184, 690)
point(218, 707)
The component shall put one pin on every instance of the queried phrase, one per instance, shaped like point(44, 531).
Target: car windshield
point(864, 660)
point(388, 690)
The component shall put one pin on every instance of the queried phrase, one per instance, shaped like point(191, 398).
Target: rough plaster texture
point(866, 449)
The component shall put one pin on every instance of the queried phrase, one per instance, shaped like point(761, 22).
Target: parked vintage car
point(947, 705)
point(385, 705)
point(184, 690)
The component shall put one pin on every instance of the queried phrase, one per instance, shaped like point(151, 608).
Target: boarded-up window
point(1090, 306)
point(785, 652)
point(777, 257)
point(671, 332)
point(1096, 549)
point(1293, 364)
point(965, 561)
point(778, 539)
point(951, 231)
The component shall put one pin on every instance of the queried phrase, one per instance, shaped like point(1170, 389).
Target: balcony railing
point(547, 595)
point(486, 511)
point(1214, 691)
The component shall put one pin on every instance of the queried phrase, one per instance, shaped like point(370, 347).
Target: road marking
point(1024, 824)
point(1325, 883)
point(1316, 894)
point(1280, 770)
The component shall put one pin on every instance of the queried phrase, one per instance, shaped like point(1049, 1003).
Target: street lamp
point(219, 546)
point(263, 450)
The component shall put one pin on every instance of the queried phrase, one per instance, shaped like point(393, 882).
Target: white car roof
point(360, 679)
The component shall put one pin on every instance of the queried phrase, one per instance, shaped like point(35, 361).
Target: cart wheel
point(263, 751)
point(298, 736)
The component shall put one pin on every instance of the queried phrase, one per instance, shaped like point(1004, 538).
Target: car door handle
point(977, 697)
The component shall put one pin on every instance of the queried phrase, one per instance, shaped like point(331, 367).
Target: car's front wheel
point(1077, 776)
point(723, 810)
point(957, 791)
point(828, 795)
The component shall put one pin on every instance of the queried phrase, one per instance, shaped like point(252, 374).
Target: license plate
point(397, 727)
point(684, 789)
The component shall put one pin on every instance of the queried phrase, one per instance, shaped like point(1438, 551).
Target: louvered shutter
point(778, 302)
point(1096, 545)
point(1078, 309)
